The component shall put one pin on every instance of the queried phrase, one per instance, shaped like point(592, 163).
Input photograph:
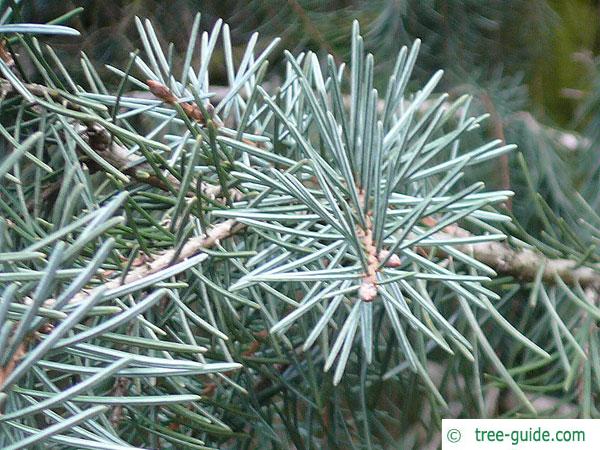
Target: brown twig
point(168, 258)
point(521, 263)
point(99, 139)
point(524, 263)
point(368, 289)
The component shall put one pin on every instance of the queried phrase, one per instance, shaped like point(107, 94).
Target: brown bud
point(161, 91)
point(193, 112)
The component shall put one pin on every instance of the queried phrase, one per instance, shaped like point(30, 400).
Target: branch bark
point(525, 263)
point(522, 264)
point(169, 257)
point(101, 141)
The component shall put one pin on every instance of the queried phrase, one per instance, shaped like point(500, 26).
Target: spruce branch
point(345, 233)
point(521, 263)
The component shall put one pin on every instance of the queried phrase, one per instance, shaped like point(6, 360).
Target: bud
point(393, 261)
point(367, 291)
point(161, 91)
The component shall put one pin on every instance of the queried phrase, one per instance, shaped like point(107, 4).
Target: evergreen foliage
point(314, 261)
